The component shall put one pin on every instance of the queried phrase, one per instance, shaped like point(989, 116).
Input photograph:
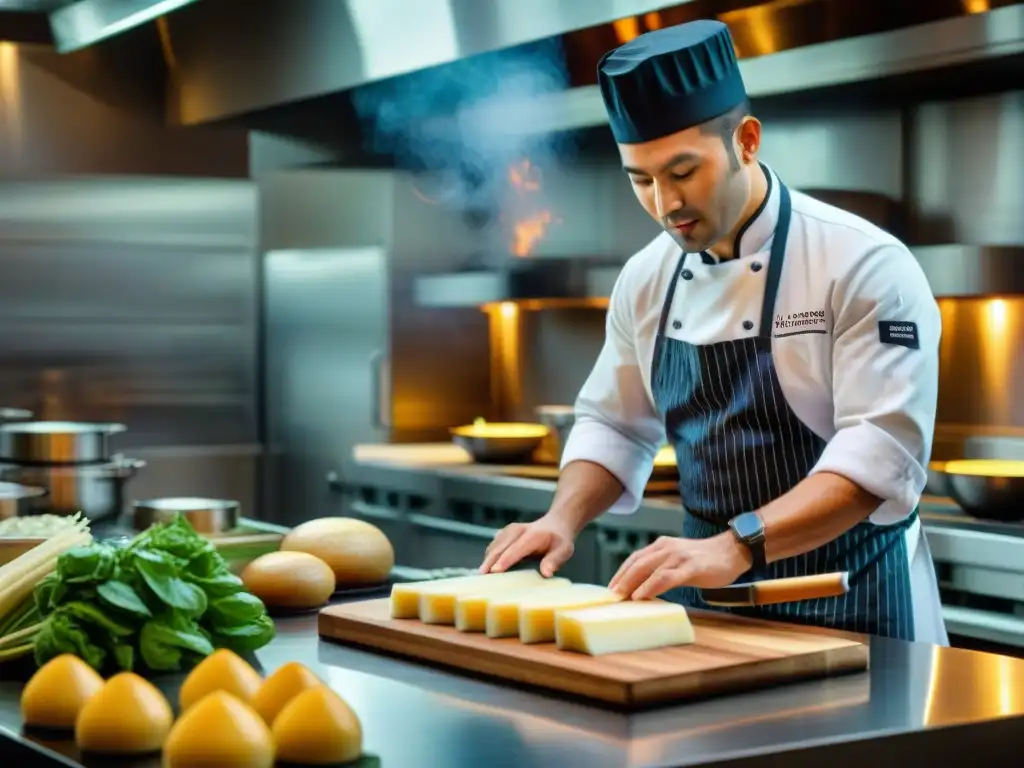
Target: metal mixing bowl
point(500, 443)
point(988, 489)
point(204, 515)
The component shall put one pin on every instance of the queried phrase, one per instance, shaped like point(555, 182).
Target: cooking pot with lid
point(56, 442)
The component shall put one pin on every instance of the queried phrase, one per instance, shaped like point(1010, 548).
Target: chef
point(787, 350)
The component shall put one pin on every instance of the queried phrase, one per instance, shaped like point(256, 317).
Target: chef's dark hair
point(724, 126)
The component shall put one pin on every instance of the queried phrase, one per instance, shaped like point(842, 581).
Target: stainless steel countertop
point(485, 483)
point(903, 708)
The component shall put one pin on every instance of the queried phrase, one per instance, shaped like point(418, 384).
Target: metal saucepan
point(16, 500)
point(14, 414)
point(989, 489)
point(559, 420)
point(95, 490)
point(56, 442)
point(205, 515)
point(500, 442)
point(937, 483)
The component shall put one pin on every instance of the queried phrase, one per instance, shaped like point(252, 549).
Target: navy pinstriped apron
point(739, 446)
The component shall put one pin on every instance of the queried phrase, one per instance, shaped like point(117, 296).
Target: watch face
point(747, 525)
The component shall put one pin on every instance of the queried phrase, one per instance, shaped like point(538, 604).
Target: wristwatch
point(749, 531)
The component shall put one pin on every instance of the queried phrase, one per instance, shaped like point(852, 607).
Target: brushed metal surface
point(285, 52)
point(85, 22)
point(966, 182)
point(131, 301)
point(56, 442)
point(204, 515)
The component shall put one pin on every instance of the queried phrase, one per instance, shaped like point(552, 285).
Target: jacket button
point(687, 274)
point(747, 325)
point(755, 267)
point(676, 324)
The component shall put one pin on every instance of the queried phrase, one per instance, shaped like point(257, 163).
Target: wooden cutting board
point(731, 655)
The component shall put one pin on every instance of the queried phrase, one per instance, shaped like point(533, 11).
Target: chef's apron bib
point(739, 446)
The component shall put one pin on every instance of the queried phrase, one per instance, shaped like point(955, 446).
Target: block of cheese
point(436, 599)
point(471, 610)
point(536, 612)
point(405, 598)
point(632, 625)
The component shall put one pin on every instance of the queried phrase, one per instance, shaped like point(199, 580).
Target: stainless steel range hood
point(289, 54)
point(547, 281)
point(82, 23)
point(953, 270)
point(920, 48)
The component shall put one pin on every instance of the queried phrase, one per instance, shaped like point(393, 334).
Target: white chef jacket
point(873, 403)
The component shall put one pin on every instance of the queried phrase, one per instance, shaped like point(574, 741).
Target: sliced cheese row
point(585, 618)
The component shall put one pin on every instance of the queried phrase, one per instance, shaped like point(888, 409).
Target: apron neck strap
point(778, 255)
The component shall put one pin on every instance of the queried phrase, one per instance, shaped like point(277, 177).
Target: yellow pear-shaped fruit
point(222, 670)
point(128, 716)
point(219, 731)
point(318, 728)
point(57, 692)
point(281, 687)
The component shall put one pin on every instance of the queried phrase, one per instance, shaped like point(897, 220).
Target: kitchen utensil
point(207, 516)
point(14, 414)
point(500, 442)
point(937, 483)
point(772, 591)
point(56, 442)
point(95, 490)
point(989, 489)
point(559, 420)
point(16, 500)
point(731, 655)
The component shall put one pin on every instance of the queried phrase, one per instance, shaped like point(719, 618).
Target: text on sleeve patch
point(899, 332)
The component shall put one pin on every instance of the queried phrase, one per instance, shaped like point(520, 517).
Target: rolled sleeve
point(885, 388)
point(616, 424)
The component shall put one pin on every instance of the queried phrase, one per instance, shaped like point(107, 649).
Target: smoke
point(467, 121)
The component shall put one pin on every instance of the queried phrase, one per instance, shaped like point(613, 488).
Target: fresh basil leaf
point(61, 634)
point(124, 655)
point(161, 644)
point(90, 614)
point(121, 595)
point(89, 564)
point(44, 593)
point(235, 610)
point(222, 585)
point(161, 576)
point(245, 638)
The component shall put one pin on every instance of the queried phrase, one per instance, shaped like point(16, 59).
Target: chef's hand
point(547, 536)
point(674, 562)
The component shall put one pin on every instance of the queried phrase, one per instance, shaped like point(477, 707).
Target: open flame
point(528, 229)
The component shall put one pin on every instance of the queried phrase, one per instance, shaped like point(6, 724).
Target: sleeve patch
point(899, 332)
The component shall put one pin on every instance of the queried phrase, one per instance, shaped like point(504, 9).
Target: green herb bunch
point(161, 602)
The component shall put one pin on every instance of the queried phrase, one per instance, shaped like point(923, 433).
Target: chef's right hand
point(547, 536)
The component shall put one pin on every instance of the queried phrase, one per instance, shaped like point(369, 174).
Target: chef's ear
point(748, 139)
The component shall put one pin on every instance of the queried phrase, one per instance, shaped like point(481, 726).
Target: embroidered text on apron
point(739, 446)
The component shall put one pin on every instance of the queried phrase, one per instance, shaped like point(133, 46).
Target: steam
point(467, 121)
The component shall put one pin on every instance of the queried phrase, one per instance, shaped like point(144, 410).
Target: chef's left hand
point(676, 562)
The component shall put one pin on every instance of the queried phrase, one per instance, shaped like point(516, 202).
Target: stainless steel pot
point(205, 515)
point(56, 442)
point(559, 420)
point(96, 490)
point(17, 500)
point(14, 414)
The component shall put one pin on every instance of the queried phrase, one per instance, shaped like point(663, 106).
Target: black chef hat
point(668, 80)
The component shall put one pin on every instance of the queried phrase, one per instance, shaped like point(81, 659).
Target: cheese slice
point(471, 610)
point(437, 598)
point(633, 625)
point(405, 597)
point(535, 613)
